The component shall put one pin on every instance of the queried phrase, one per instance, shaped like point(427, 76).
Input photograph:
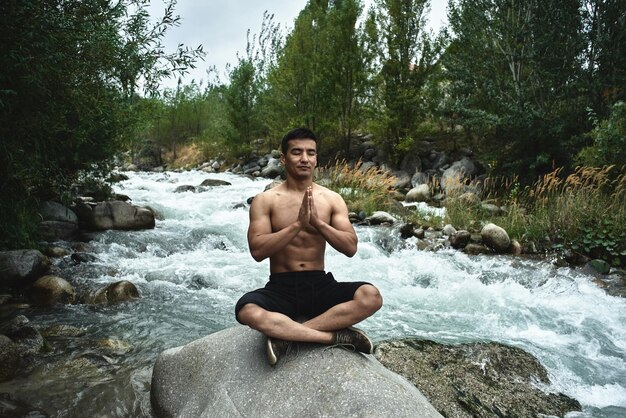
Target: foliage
point(609, 140)
point(515, 67)
point(408, 55)
point(68, 78)
point(321, 72)
point(363, 189)
point(584, 211)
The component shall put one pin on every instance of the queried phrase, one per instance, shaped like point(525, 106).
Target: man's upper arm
point(260, 222)
point(339, 219)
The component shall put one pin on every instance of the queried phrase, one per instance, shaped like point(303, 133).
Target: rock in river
point(226, 374)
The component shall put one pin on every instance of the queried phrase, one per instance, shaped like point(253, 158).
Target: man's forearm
point(343, 241)
point(266, 245)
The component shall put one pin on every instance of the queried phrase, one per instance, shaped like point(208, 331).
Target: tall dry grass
point(363, 189)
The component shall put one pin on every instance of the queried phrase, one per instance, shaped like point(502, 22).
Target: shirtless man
point(291, 224)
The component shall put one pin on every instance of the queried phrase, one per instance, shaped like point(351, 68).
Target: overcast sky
point(221, 26)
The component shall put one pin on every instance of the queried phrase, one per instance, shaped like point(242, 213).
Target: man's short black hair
point(297, 133)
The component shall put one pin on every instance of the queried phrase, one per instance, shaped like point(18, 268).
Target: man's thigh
point(268, 300)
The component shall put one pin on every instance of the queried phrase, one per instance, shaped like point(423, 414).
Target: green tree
point(514, 79)
point(320, 79)
point(69, 73)
point(409, 54)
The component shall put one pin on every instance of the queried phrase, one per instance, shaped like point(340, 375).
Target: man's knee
point(369, 298)
point(251, 315)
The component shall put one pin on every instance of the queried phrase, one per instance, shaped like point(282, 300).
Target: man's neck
point(298, 185)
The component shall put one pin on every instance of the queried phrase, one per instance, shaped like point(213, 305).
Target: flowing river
point(191, 269)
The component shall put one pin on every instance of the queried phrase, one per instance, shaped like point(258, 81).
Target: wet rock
point(83, 258)
point(112, 346)
point(117, 292)
point(599, 266)
point(28, 338)
point(419, 193)
point(214, 182)
point(476, 249)
point(21, 267)
point(495, 238)
point(56, 252)
point(9, 358)
point(49, 290)
point(62, 331)
point(4, 299)
point(475, 380)
point(56, 230)
point(185, 188)
point(11, 407)
point(459, 239)
point(114, 215)
point(339, 383)
point(380, 217)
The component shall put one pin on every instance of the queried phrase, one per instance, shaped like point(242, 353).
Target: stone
point(21, 267)
point(11, 407)
point(25, 335)
point(214, 182)
point(49, 290)
point(475, 379)
point(58, 222)
point(491, 209)
point(459, 239)
point(419, 178)
point(208, 378)
point(122, 291)
point(403, 180)
point(63, 331)
point(516, 247)
point(469, 199)
point(273, 169)
point(56, 252)
point(380, 217)
point(600, 266)
point(453, 178)
point(476, 249)
point(185, 188)
point(115, 215)
point(420, 193)
point(448, 230)
point(495, 238)
point(9, 358)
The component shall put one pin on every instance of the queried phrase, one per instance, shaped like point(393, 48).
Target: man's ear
point(282, 158)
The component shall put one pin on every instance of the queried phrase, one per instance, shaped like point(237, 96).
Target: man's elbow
point(257, 255)
point(350, 251)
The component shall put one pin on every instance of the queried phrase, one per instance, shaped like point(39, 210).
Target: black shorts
point(301, 294)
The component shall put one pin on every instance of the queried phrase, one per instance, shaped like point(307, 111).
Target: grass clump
point(584, 211)
point(365, 189)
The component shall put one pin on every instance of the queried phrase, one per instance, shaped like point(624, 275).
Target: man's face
point(301, 158)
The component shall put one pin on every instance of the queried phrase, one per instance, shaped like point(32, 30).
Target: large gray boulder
point(495, 238)
point(21, 267)
point(226, 375)
point(58, 221)
point(115, 214)
point(476, 380)
point(453, 178)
